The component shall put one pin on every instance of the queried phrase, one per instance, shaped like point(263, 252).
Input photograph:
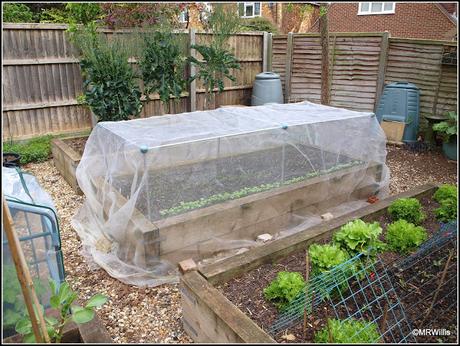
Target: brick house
point(287, 17)
point(425, 20)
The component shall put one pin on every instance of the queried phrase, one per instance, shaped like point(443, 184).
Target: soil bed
point(77, 144)
point(246, 291)
point(227, 175)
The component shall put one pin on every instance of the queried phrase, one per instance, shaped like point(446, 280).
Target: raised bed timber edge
point(66, 160)
point(91, 332)
point(208, 316)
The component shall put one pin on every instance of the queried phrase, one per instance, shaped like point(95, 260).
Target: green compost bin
point(400, 102)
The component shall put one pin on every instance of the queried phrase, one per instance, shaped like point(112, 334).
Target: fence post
point(287, 78)
point(192, 71)
point(438, 85)
point(270, 52)
point(324, 37)
point(384, 47)
point(265, 52)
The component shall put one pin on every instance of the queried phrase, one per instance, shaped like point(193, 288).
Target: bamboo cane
point(25, 280)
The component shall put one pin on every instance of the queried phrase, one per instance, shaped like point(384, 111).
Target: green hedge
point(35, 150)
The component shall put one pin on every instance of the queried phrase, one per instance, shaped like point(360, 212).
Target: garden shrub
point(403, 236)
point(284, 289)
point(17, 13)
point(35, 150)
point(446, 191)
point(110, 83)
point(357, 237)
point(162, 65)
point(447, 211)
point(348, 332)
point(408, 209)
point(259, 24)
point(325, 257)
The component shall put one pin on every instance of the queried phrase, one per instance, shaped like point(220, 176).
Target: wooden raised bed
point(91, 332)
point(66, 160)
point(208, 316)
point(174, 238)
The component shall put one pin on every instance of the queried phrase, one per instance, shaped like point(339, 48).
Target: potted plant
point(448, 131)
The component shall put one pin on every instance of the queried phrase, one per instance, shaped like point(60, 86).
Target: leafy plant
point(403, 236)
point(110, 84)
point(14, 308)
point(359, 237)
point(408, 209)
point(447, 211)
point(258, 24)
point(284, 289)
point(62, 298)
point(325, 257)
point(72, 13)
point(17, 13)
point(445, 191)
point(35, 150)
point(216, 61)
point(349, 331)
point(162, 65)
point(447, 128)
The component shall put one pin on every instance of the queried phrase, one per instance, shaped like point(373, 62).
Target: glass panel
point(376, 7)
point(388, 6)
point(257, 8)
point(364, 7)
point(249, 10)
point(241, 9)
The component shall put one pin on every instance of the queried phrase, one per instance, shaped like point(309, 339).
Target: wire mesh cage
point(358, 290)
point(426, 282)
point(148, 180)
point(36, 224)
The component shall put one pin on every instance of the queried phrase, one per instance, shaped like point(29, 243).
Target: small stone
point(327, 216)
point(264, 237)
point(242, 250)
point(288, 337)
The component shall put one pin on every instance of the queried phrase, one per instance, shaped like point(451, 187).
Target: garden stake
point(306, 295)
point(329, 331)
point(22, 270)
point(443, 276)
point(384, 318)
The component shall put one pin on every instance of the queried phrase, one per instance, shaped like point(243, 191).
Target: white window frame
point(369, 12)
point(253, 4)
point(183, 16)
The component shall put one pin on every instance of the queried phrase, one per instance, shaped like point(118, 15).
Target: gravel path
point(153, 315)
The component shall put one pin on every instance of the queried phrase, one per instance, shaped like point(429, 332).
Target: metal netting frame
point(386, 304)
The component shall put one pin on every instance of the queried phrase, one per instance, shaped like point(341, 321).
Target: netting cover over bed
point(205, 184)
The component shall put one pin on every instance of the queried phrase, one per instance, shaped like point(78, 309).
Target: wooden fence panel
point(42, 79)
point(448, 96)
point(279, 50)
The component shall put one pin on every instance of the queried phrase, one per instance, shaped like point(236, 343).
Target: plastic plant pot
point(450, 148)
point(11, 159)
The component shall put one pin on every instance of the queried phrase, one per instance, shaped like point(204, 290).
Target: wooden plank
point(192, 71)
point(220, 272)
point(210, 317)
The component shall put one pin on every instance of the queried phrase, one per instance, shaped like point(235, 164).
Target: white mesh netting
point(205, 184)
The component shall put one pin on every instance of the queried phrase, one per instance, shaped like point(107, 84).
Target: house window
point(376, 8)
point(249, 9)
point(183, 16)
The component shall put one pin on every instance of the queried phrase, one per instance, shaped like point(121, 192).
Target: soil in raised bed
point(168, 187)
point(246, 291)
point(77, 144)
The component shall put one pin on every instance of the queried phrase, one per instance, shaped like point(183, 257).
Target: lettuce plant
point(357, 237)
point(349, 331)
point(403, 236)
point(447, 211)
point(284, 289)
point(408, 209)
point(445, 191)
point(325, 257)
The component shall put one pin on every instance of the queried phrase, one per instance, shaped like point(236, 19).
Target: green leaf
point(55, 302)
point(96, 300)
point(51, 320)
point(29, 339)
point(24, 326)
point(82, 315)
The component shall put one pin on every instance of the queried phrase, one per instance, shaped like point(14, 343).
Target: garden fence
point(42, 79)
